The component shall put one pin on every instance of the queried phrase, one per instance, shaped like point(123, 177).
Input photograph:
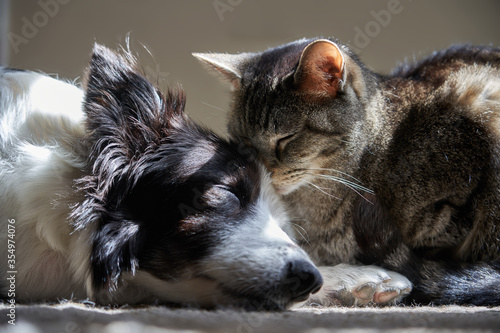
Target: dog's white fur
point(41, 135)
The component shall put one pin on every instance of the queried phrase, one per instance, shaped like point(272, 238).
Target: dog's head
point(179, 214)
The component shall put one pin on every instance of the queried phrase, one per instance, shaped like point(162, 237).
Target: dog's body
point(42, 141)
point(124, 200)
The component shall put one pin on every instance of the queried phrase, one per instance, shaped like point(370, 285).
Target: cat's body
point(425, 140)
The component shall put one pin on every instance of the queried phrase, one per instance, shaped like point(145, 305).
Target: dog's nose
point(302, 279)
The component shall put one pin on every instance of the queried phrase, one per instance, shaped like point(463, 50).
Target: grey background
point(62, 32)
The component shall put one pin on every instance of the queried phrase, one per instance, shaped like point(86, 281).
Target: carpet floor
point(79, 318)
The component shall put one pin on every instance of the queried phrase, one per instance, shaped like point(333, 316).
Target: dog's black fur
point(141, 176)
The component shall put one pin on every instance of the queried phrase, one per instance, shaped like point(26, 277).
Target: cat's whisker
point(215, 107)
point(321, 190)
point(346, 182)
point(355, 188)
point(335, 170)
point(301, 232)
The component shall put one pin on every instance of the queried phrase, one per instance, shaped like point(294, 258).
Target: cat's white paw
point(351, 285)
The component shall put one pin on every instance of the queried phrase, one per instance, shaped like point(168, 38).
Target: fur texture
point(400, 171)
point(116, 196)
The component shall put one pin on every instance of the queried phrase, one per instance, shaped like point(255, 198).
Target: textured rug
point(79, 318)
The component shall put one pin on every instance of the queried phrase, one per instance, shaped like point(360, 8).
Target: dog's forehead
point(217, 159)
point(196, 157)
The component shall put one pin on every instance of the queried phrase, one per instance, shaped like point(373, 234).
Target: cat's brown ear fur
point(321, 69)
point(226, 64)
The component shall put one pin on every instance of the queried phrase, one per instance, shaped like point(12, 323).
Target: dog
point(111, 193)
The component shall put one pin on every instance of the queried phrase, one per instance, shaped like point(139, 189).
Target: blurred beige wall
point(4, 28)
point(56, 36)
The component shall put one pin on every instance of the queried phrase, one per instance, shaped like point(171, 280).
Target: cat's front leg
point(352, 285)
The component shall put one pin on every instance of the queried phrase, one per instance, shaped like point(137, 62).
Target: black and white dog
point(111, 193)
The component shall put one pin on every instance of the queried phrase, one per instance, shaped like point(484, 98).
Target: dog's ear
point(124, 110)
point(126, 115)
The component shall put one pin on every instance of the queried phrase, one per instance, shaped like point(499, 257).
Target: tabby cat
point(400, 171)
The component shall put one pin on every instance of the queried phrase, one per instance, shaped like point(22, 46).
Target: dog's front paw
point(350, 285)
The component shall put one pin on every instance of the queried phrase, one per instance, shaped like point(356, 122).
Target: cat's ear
point(228, 65)
point(321, 69)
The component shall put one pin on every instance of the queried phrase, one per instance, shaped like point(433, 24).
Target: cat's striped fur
point(401, 171)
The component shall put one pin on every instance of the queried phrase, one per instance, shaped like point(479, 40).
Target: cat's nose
point(302, 279)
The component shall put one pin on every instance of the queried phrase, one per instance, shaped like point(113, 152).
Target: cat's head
point(302, 105)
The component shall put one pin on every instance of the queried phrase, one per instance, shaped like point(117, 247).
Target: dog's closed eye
point(222, 197)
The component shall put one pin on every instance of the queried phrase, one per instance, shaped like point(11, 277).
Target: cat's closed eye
point(281, 144)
